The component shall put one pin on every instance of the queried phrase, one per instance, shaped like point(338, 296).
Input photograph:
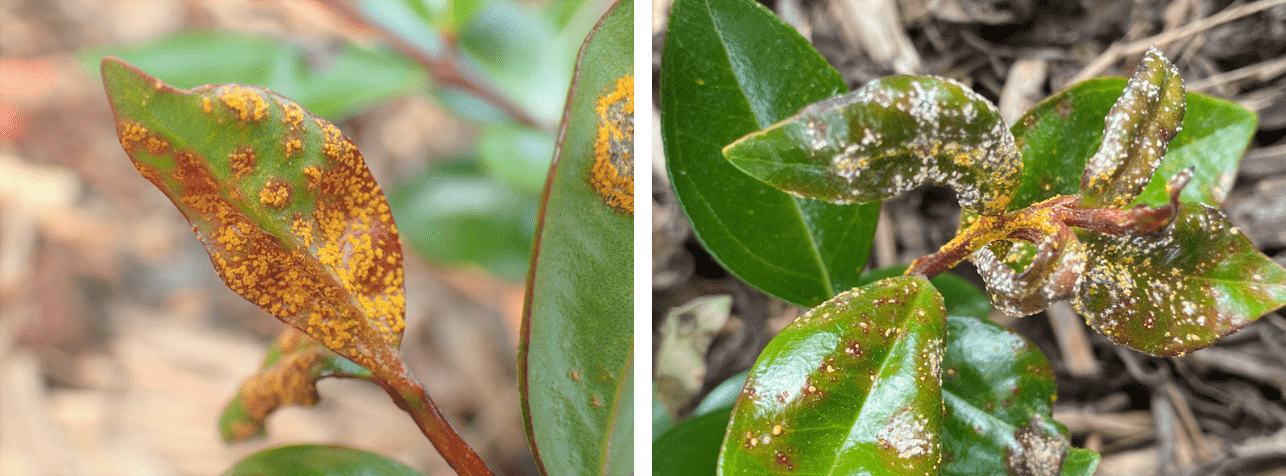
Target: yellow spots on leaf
point(242, 162)
point(612, 174)
point(294, 114)
point(247, 103)
point(207, 106)
point(131, 133)
point(302, 230)
point(313, 175)
point(157, 146)
point(293, 144)
point(275, 194)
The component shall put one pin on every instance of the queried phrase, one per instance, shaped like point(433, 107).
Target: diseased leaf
point(289, 376)
point(575, 358)
point(1137, 132)
point(852, 387)
point(731, 67)
point(318, 460)
point(1180, 291)
point(1050, 276)
point(886, 138)
point(291, 217)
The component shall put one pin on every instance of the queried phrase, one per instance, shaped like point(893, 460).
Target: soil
point(1215, 411)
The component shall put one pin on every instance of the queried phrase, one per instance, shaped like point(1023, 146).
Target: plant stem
point(409, 395)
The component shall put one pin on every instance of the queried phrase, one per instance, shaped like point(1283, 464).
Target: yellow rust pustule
point(612, 174)
point(247, 103)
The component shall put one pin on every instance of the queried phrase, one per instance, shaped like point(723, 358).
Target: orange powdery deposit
point(612, 174)
point(332, 268)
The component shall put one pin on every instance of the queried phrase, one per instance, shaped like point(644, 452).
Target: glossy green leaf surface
point(575, 358)
point(886, 138)
point(691, 448)
point(333, 84)
point(1058, 136)
point(319, 460)
point(288, 376)
point(282, 200)
point(1179, 291)
point(851, 387)
point(730, 67)
point(453, 214)
point(1136, 134)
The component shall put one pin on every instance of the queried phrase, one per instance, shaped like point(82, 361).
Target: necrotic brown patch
point(612, 175)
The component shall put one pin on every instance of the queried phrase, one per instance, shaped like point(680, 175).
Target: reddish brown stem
point(410, 396)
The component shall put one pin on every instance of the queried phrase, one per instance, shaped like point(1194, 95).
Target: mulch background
point(118, 343)
point(1215, 411)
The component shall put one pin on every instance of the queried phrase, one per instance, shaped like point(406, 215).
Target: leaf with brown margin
point(289, 376)
point(886, 138)
point(1136, 134)
point(291, 217)
point(1178, 291)
point(852, 387)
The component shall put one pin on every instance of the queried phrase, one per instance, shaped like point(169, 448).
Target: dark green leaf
point(1196, 282)
point(575, 360)
point(330, 83)
point(1137, 132)
point(893, 134)
point(730, 68)
point(691, 448)
point(319, 460)
point(852, 387)
point(998, 390)
point(459, 216)
point(960, 297)
point(1058, 136)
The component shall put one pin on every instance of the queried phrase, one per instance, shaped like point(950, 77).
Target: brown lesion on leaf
point(131, 134)
point(247, 103)
point(612, 174)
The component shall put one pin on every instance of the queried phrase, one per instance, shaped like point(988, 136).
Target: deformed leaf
point(886, 138)
point(1180, 290)
point(289, 376)
point(852, 387)
point(284, 203)
point(1136, 134)
point(1050, 276)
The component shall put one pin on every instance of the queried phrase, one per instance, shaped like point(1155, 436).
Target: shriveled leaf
point(575, 359)
point(1180, 291)
point(291, 217)
point(999, 391)
point(319, 460)
point(1137, 132)
point(1050, 276)
point(682, 343)
point(731, 67)
point(1058, 136)
point(886, 138)
point(289, 376)
point(852, 387)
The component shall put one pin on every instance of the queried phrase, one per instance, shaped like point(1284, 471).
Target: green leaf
point(888, 137)
point(1058, 136)
point(518, 50)
point(339, 84)
point(516, 155)
point(319, 460)
point(1080, 462)
point(691, 448)
point(852, 387)
point(723, 395)
point(731, 67)
point(999, 391)
point(452, 214)
point(575, 360)
point(289, 376)
point(284, 203)
point(959, 296)
point(1180, 291)
point(1137, 132)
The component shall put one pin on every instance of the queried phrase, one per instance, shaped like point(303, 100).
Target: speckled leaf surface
point(319, 460)
point(575, 358)
point(852, 387)
point(289, 376)
point(884, 139)
point(284, 203)
point(1058, 136)
point(731, 67)
point(1180, 291)
point(1136, 133)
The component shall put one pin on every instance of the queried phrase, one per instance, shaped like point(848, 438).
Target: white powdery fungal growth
point(1136, 133)
point(1054, 275)
point(907, 434)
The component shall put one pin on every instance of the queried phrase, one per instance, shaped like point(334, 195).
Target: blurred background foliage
point(506, 66)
